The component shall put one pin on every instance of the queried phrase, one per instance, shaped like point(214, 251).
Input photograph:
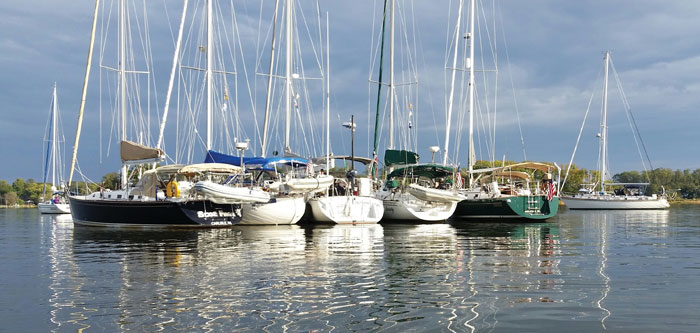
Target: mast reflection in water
point(584, 271)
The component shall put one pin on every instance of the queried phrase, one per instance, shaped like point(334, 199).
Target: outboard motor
point(351, 175)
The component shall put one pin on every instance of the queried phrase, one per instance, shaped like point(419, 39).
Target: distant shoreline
point(17, 207)
point(685, 202)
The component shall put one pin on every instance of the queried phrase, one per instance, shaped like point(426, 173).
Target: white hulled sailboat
point(623, 195)
point(56, 203)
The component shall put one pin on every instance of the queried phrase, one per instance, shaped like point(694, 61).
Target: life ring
point(172, 190)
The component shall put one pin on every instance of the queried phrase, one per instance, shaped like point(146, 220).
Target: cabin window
point(119, 196)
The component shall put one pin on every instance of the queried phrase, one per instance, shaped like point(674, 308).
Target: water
point(581, 272)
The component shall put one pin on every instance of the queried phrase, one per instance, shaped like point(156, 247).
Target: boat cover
point(394, 157)
point(132, 151)
point(363, 160)
point(255, 163)
point(423, 170)
point(210, 167)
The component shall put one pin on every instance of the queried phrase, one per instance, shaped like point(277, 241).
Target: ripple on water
point(582, 271)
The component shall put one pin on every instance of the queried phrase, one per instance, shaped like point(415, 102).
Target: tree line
point(678, 184)
point(30, 191)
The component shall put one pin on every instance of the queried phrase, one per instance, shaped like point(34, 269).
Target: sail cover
point(256, 163)
point(423, 170)
point(393, 157)
point(132, 151)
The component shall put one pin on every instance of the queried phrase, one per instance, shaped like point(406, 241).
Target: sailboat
point(289, 179)
point(520, 191)
point(166, 196)
point(623, 195)
point(350, 200)
point(56, 203)
point(406, 200)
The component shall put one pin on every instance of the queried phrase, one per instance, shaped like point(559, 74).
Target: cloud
point(554, 53)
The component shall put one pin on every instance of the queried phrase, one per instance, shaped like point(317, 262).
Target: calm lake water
point(580, 272)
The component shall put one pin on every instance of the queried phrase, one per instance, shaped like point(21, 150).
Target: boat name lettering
point(204, 215)
point(221, 223)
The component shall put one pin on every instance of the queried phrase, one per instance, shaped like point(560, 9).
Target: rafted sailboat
point(163, 197)
point(351, 200)
point(511, 194)
point(420, 192)
point(284, 179)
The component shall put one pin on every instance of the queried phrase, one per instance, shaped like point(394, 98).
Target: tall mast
point(122, 80)
point(604, 126)
point(176, 56)
point(263, 146)
point(54, 119)
point(470, 63)
point(379, 93)
point(210, 60)
point(288, 75)
point(452, 84)
point(328, 96)
point(391, 78)
point(84, 94)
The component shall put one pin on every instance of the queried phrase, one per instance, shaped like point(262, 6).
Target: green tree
point(111, 180)
point(11, 198)
point(83, 188)
point(5, 187)
point(20, 186)
point(34, 190)
point(629, 177)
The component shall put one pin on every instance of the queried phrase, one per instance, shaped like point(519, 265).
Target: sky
point(554, 57)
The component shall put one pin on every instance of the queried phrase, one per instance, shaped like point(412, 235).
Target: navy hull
point(196, 213)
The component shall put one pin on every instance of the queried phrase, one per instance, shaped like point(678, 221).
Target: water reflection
point(397, 277)
point(601, 271)
point(463, 277)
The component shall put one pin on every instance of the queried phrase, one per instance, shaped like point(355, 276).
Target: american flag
point(459, 181)
point(550, 191)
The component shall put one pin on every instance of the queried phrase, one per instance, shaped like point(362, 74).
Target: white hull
point(347, 209)
point(285, 210)
point(405, 207)
point(223, 194)
point(615, 202)
point(52, 208)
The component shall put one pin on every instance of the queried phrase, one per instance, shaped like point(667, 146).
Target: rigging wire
point(633, 124)
point(580, 132)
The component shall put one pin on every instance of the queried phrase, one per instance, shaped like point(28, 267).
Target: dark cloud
point(554, 54)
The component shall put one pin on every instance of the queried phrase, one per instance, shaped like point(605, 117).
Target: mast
point(352, 143)
point(391, 78)
point(604, 125)
point(176, 55)
point(288, 75)
point(54, 119)
point(85, 85)
point(452, 84)
point(210, 60)
point(122, 81)
point(263, 146)
point(328, 96)
point(379, 93)
point(470, 64)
